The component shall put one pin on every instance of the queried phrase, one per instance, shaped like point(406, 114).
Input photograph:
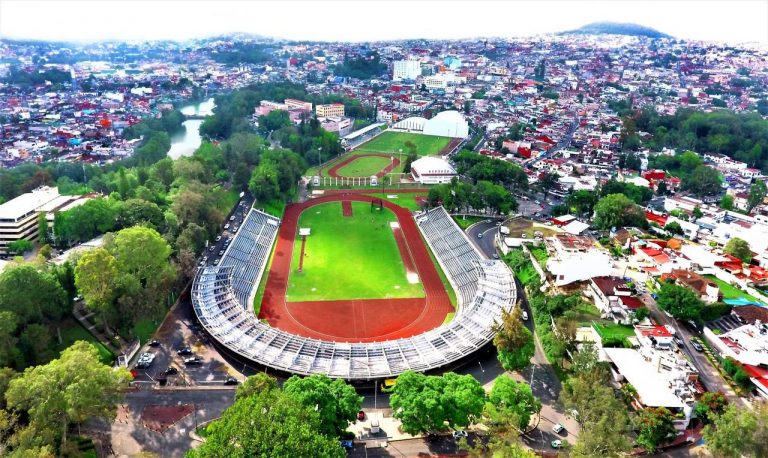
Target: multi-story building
point(406, 70)
point(18, 216)
point(330, 110)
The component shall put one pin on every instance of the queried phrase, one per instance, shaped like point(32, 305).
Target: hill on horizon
point(618, 28)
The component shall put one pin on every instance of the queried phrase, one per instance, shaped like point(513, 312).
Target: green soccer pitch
point(365, 166)
point(348, 257)
point(391, 142)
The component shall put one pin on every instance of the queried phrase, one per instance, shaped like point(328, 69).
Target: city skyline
point(83, 21)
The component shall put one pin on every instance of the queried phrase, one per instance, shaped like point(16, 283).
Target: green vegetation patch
point(731, 292)
point(613, 331)
point(391, 142)
point(365, 166)
point(71, 332)
point(465, 221)
point(354, 257)
point(407, 200)
point(540, 253)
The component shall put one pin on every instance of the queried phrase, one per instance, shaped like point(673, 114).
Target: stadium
point(352, 285)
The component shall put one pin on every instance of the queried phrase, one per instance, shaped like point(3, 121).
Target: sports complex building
point(359, 339)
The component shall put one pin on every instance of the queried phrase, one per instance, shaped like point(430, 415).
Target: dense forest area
point(362, 67)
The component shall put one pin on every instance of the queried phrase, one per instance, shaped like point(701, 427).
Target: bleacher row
point(218, 305)
point(457, 254)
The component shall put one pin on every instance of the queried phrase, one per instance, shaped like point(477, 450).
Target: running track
point(354, 320)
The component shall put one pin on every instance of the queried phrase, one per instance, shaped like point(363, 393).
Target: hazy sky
point(728, 21)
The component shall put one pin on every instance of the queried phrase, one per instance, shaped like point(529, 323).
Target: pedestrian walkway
point(389, 427)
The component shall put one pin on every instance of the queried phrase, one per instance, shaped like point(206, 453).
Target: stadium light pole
point(318, 155)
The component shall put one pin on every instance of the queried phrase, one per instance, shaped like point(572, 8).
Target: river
point(186, 141)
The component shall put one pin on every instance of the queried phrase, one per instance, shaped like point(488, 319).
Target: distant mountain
point(618, 28)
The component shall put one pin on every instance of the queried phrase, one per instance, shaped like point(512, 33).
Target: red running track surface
point(334, 171)
point(346, 208)
point(354, 320)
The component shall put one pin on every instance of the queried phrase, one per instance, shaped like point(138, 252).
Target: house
point(706, 289)
point(613, 297)
point(660, 378)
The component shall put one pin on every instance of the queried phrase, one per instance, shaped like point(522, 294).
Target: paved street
point(485, 243)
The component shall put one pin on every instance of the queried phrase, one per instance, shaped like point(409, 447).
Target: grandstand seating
point(221, 297)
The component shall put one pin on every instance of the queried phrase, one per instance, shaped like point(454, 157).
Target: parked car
point(216, 262)
point(557, 443)
point(459, 434)
point(218, 237)
point(231, 381)
point(348, 445)
point(226, 226)
point(211, 248)
point(171, 371)
point(558, 428)
point(205, 258)
point(679, 342)
point(145, 360)
point(232, 218)
point(697, 346)
point(221, 252)
point(192, 361)
point(525, 315)
point(360, 415)
point(184, 351)
point(154, 343)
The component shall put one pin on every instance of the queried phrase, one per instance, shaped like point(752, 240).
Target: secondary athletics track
point(366, 320)
point(334, 171)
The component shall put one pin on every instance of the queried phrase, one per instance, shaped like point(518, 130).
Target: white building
point(432, 170)
point(406, 70)
point(449, 123)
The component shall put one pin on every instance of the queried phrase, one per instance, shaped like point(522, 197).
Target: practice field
point(365, 166)
point(391, 142)
point(349, 257)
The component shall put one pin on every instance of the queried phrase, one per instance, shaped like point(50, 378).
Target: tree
point(616, 211)
point(726, 203)
point(255, 384)
point(431, 403)
point(42, 299)
point(72, 389)
point(673, 227)
point(602, 417)
point(336, 402)
point(548, 181)
point(511, 398)
point(710, 405)
point(738, 248)
point(19, 247)
point(513, 340)
point(681, 302)
point(703, 181)
point(661, 188)
point(96, 278)
point(739, 432)
point(264, 424)
point(756, 195)
point(697, 213)
point(655, 426)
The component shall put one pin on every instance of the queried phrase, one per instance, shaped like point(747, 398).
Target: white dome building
point(432, 170)
point(444, 124)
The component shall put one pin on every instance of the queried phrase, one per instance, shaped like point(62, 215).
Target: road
point(488, 229)
point(708, 375)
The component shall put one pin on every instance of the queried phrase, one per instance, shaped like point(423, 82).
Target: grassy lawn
point(274, 207)
point(349, 257)
point(227, 198)
point(392, 142)
point(72, 331)
point(365, 166)
point(585, 314)
point(615, 331)
point(730, 291)
point(540, 253)
point(406, 200)
point(465, 221)
point(145, 328)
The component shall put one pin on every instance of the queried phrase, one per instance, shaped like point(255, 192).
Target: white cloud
point(727, 21)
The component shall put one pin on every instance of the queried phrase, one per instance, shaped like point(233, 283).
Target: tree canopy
point(513, 340)
point(617, 211)
point(738, 248)
point(681, 302)
point(655, 426)
point(739, 432)
point(336, 402)
point(433, 403)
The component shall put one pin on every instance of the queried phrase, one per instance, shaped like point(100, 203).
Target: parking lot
point(182, 354)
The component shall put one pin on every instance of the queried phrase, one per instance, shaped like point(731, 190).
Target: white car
point(557, 443)
point(558, 428)
point(459, 434)
point(145, 360)
point(525, 315)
